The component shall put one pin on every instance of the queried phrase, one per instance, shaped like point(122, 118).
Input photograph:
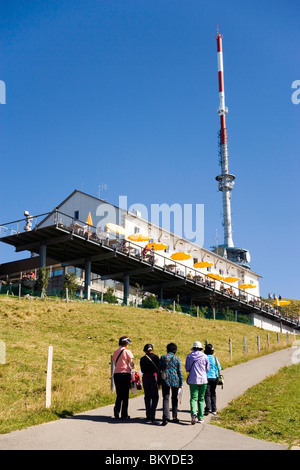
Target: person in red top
point(123, 360)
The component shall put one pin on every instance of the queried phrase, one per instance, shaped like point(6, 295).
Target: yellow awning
point(180, 256)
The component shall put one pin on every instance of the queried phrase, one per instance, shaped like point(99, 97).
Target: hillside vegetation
point(83, 336)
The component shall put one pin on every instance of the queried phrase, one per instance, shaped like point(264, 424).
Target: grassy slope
point(83, 336)
point(269, 410)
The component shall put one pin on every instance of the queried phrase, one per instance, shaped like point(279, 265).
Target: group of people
point(166, 372)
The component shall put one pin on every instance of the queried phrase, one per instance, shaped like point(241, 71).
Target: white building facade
point(80, 207)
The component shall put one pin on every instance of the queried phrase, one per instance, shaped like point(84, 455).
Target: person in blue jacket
point(172, 384)
point(212, 375)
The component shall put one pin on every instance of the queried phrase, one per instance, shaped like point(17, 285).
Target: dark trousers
point(122, 383)
point(151, 395)
point(210, 396)
point(166, 401)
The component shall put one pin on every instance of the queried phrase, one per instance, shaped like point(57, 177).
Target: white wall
point(270, 324)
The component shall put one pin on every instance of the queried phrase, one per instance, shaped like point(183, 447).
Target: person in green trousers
point(197, 364)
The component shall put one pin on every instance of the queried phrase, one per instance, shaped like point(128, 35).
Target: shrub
point(109, 296)
point(150, 302)
point(42, 281)
point(70, 283)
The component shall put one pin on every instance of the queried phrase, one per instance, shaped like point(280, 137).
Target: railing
point(26, 224)
point(132, 249)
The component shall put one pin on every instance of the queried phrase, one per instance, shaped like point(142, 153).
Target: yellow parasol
point(157, 246)
point(278, 302)
point(246, 286)
point(89, 220)
point(116, 228)
point(203, 264)
point(215, 276)
point(180, 256)
point(138, 237)
point(231, 279)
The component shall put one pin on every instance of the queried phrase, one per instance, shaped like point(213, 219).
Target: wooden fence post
point(214, 313)
point(49, 377)
point(245, 346)
point(2, 352)
point(258, 343)
point(230, 349)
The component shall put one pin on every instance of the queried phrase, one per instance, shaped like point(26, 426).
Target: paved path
point(97, 429)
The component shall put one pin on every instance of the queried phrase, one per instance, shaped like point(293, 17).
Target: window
point(76, 214)
point(57, 272)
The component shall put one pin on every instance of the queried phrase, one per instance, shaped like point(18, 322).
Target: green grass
point(83, 336)
point(269, 410)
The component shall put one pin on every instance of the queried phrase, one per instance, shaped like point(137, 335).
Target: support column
point(43, 255)
point(160, 293)
point(126, 289)
point(87, 279)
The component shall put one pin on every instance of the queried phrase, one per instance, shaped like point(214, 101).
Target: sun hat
point(123, 340)
point(197, 344)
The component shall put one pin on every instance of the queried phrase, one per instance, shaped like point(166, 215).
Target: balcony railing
point(121, 245)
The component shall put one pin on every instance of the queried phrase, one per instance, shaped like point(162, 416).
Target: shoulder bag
point(119, 356)
point(163, 374)
point(220, 378)
point(187, 380)
point(152, 362)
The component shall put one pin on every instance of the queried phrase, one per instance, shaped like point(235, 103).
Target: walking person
point(212, 376)
point(172, 383)
point(123, 360)
point(197, 364)
point(149, 368)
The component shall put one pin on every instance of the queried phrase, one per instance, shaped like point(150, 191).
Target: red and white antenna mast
point(225, 180)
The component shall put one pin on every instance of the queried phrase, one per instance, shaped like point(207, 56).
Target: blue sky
point(125, 93)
